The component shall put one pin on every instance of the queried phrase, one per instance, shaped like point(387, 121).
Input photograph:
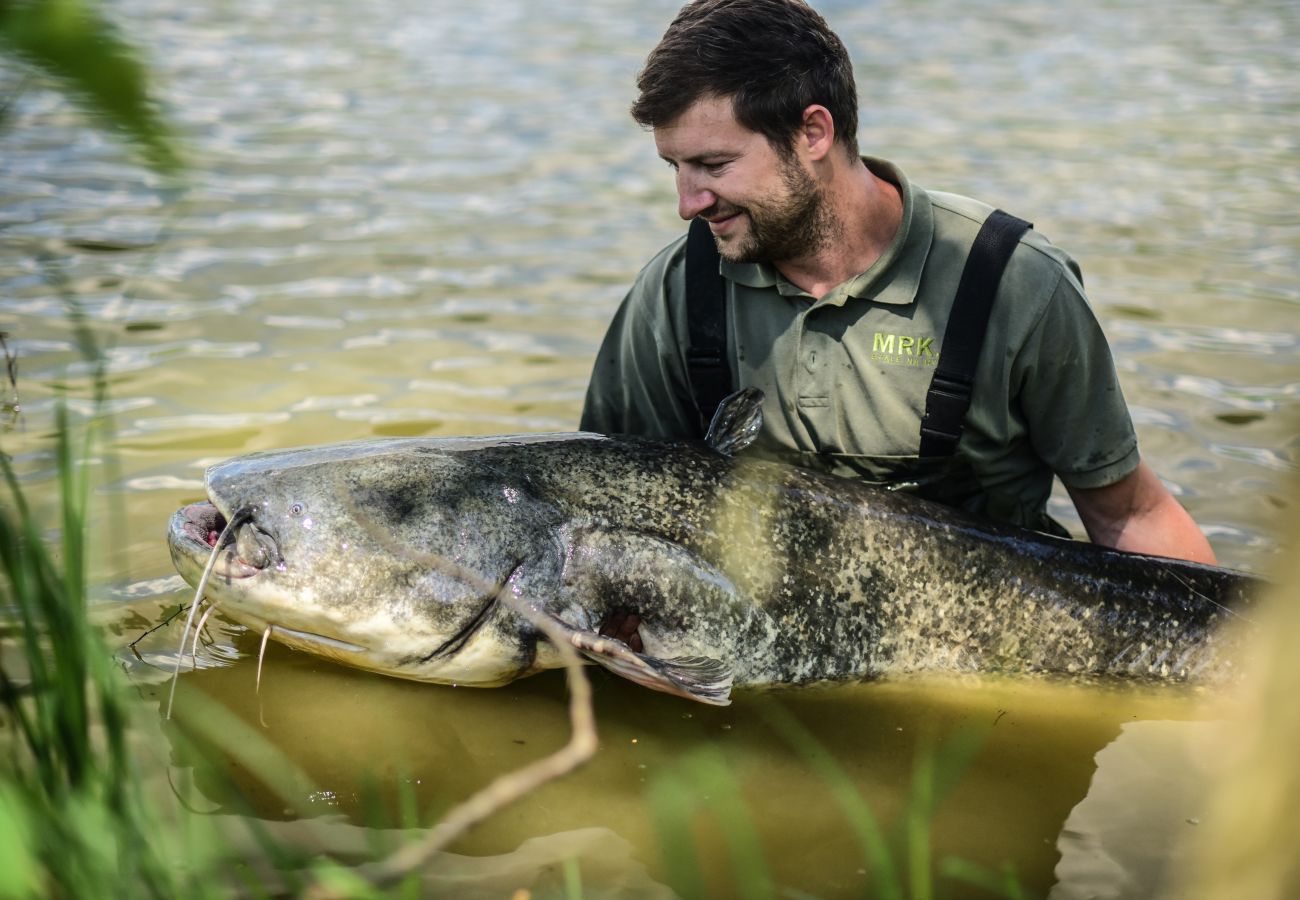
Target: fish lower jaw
point(390, 660)
point(379, 646)
point(318, 643)
point(297, 632)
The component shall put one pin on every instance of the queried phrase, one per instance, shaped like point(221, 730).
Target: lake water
point(414, 218)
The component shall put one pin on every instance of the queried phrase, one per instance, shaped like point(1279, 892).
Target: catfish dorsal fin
point(736, 422)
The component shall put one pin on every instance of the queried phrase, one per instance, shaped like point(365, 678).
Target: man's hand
point(1138, 514)
point(622, 625)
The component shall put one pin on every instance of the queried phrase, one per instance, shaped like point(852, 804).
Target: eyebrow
point(702, 158)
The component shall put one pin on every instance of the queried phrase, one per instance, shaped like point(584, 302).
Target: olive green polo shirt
point(845, 375)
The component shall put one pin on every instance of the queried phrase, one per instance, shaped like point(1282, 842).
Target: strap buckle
point(945, 413)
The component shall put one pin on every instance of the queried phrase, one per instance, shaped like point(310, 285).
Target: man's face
point(762, 206)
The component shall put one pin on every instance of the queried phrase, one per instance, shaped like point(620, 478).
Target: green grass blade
point(997, 884)
point(572, 879)
point(749, 864)
point(672, 805)
point(866, 828)
point(72, 42)
point(918, 818)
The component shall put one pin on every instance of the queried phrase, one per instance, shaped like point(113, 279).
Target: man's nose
point(692, 199)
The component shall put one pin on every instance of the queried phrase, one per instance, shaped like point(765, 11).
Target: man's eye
point(715, 168)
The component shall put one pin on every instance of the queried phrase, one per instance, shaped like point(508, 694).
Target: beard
point(795, 224)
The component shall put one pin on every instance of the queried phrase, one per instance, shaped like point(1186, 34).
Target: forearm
point(1165, 531)
point(1140, 516)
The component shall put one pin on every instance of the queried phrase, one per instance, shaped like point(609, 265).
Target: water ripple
point(164, 483)
point(1261, 456)
point(1249, 397)
point(209, 422)
point(1214, 340)
point(436, 417)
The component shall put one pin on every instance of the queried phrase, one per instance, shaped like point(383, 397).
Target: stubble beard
point(780, 228)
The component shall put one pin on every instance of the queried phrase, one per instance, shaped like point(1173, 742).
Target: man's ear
point(818, 131)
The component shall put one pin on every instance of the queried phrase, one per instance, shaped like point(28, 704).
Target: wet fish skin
point(740, 568)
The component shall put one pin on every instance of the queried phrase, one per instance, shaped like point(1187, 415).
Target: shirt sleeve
point(639, 384)
point(1070, 396)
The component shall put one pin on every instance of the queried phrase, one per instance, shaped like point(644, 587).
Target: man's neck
point(866, 211)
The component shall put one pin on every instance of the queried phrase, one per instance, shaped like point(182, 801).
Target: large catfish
point(414, 557)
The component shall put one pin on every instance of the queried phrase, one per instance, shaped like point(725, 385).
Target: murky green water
point(416, 218)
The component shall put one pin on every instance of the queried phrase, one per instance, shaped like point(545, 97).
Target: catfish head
point(391, 556)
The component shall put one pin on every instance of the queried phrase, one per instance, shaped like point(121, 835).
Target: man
point(840, 277)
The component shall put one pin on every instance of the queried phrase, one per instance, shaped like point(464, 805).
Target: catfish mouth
point(198, 527)
point(202, 523)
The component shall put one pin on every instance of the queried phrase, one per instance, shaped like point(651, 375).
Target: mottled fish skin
point(405, 547)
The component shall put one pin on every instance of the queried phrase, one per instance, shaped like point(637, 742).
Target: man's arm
point(1138, 514)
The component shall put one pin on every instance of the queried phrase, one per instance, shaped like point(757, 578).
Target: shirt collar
point(893, 278)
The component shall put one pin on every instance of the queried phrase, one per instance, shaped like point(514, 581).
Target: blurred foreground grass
point(701, 815)
point(70, 801)
point(1250, 845)
point(72, 812)
point(75, 45)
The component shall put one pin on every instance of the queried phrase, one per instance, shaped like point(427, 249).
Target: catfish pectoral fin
point(695, 678)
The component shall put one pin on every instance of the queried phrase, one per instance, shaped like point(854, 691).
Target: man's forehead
point(711, 111)
point(708, 125)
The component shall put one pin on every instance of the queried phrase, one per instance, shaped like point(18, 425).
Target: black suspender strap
point(954, 378)
point(706, 314)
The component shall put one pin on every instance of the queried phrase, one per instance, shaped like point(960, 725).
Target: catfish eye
point(297, 510)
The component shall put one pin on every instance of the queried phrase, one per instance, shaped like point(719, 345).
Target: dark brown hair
point(773, 58)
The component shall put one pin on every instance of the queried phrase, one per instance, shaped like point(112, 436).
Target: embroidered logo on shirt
point(903, 350)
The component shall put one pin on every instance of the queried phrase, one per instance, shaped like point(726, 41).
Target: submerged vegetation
point(895, 863)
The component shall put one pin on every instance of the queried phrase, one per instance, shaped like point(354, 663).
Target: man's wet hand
point(622, 625)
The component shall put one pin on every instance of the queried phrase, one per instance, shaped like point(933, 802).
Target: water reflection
point(1129, 835)
point(363, 745)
